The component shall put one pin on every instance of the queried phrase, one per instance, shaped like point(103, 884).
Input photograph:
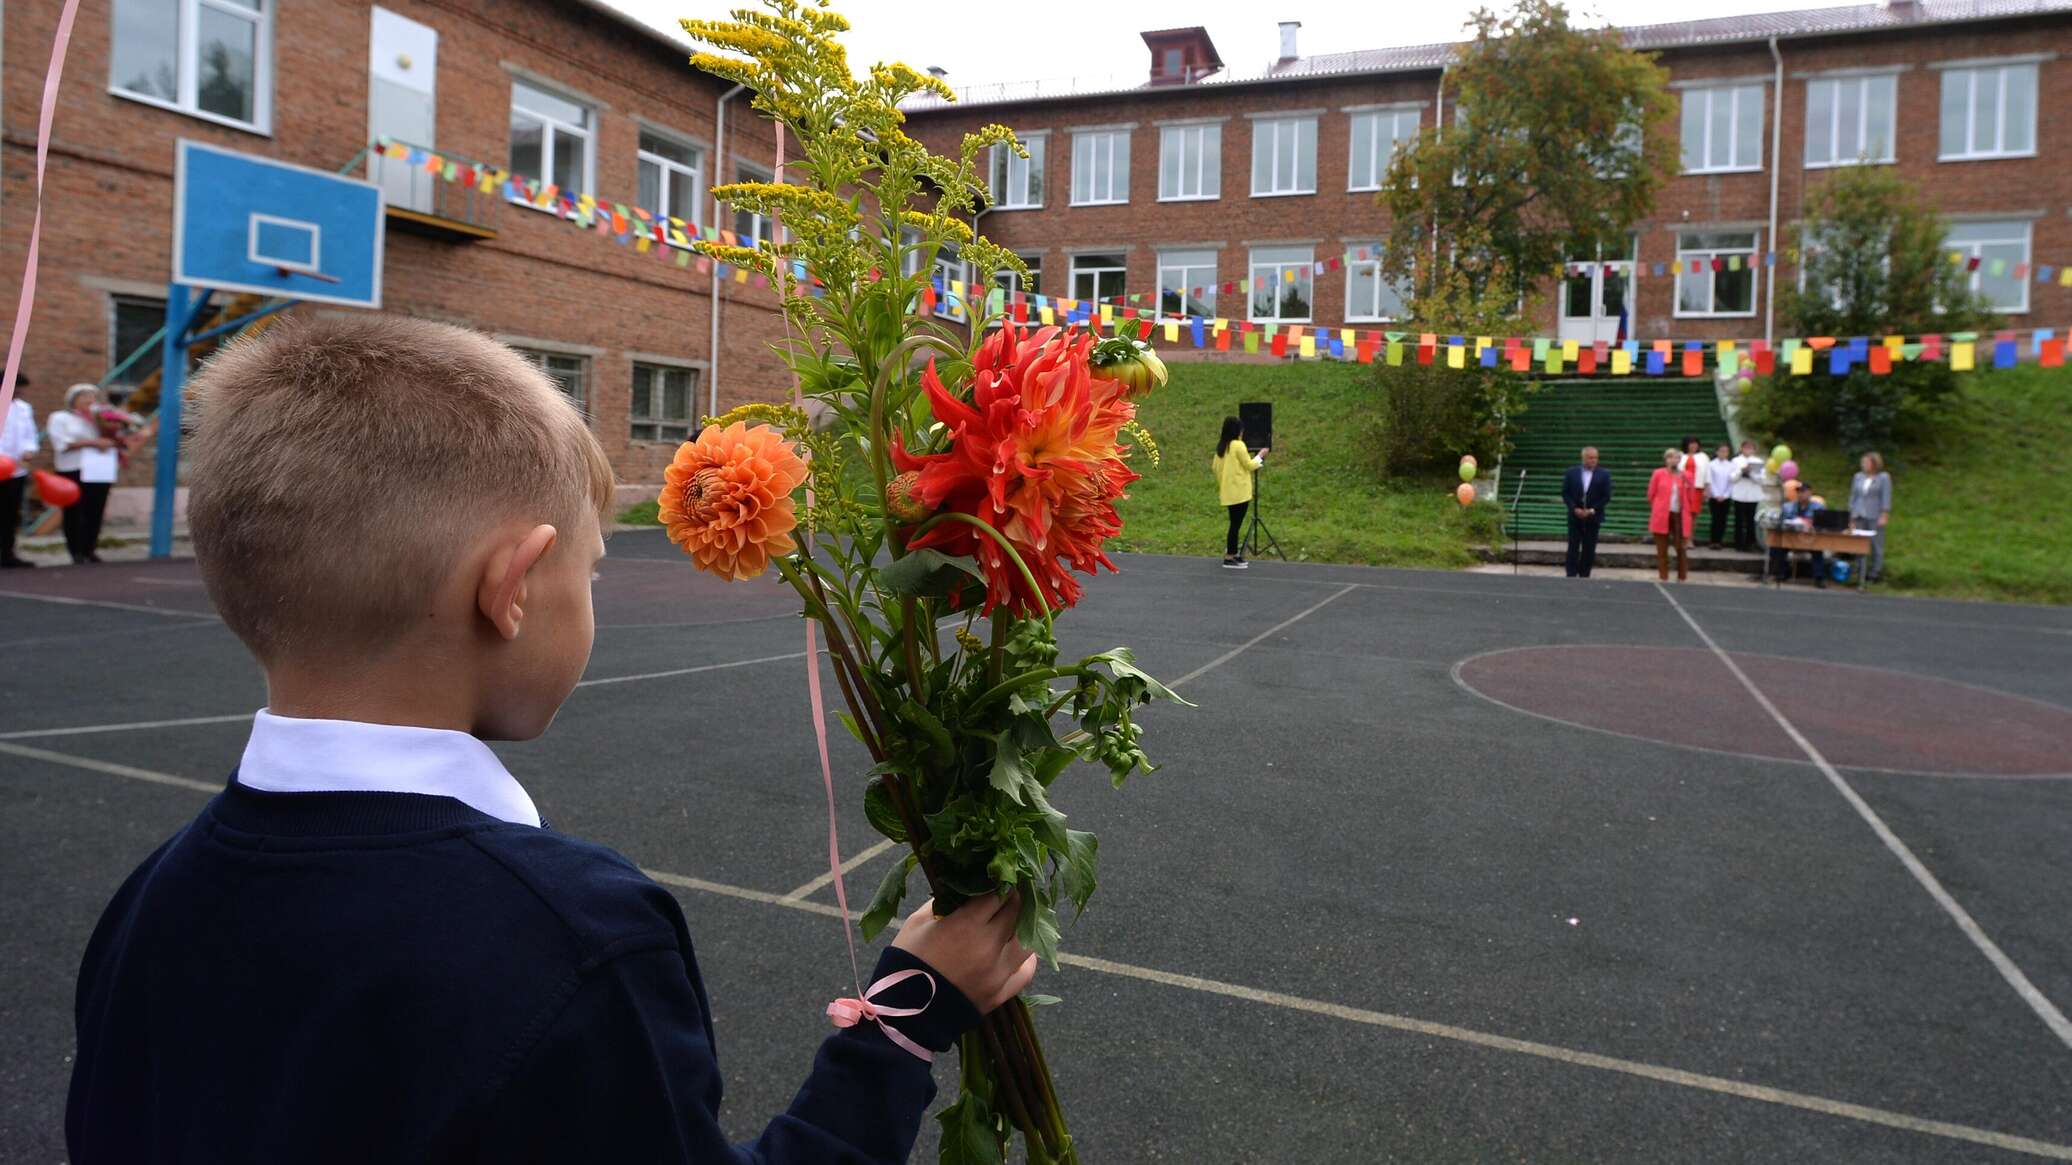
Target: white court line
point(827, 878)
point(1255, 640)
point(2042, 1006)
point(1444, 1031)
point(138, 725)
point(69, 601)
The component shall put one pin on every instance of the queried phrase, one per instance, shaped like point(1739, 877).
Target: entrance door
point(1597, 298)
point(402, 71)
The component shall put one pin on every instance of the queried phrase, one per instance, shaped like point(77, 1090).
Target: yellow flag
point(1107, 314)
point(1046, 315)
point(1553, 364)
point(1309, 347)
point(1345, 336)
point(1222, 325)
point(1802, 362)
point(1894, 343)
point(2065, 277)
point(1622, 362)
point(1961, 356)
point(1172, 331)
point(1725, 349)
point(1482, 342)
point(1569, 348)
point(1456, 356)
point(740, 274)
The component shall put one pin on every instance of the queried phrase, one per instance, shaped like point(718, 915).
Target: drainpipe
point(1439, 132)
point(1776, 168)
point(719, 160)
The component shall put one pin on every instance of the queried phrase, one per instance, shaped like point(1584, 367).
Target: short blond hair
point(342, 464)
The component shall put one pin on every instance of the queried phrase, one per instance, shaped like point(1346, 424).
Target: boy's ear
point(501, 595)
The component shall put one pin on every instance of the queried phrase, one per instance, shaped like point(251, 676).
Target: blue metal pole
point(181, 307)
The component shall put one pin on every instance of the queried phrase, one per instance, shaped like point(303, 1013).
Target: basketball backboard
point(245, 223)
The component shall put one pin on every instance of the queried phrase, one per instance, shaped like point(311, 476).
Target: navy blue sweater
point(362, 977)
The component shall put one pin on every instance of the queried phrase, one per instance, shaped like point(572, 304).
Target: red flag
point(1693, 362)
point(1364, 350)
point(1223, 340)
point(1881, 360)
point(1765, 359)
point(2053, 355)
point(1280, 343)
point(1424, 353)
point(1143, 329)
point(1521, 359)
point(1586, 360)
point(1971, 264)
point(927, 301)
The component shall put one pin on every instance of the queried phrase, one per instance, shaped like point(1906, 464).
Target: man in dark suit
point(1586, 490)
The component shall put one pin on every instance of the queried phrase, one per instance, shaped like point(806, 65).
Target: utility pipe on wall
point(719, 160)
point(1776, 167)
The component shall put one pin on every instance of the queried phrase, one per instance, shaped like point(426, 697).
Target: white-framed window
point(2004, 243)
point(1283, 284)
point(570, 373)
point(1377, 135)
point(1728, 291)
point(1370, 295)
point(1186, 283)
point(1100, 167)
point(550, 138)
point(672, 176)
point(1011, 281)
point(1190, 162)
point(1850, 119)
point(1098, 276)
point(1722, 129)
point(754, 229)
point(212, 59)
point(1284, 155)
point(951, 304)
point(662, 399)
point(1017, 181)
point(1989, 111)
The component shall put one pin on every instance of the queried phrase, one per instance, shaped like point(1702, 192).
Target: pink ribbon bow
point(848, 1012)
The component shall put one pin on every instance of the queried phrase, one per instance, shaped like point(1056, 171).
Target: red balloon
point(54, 490)
point(7, 465)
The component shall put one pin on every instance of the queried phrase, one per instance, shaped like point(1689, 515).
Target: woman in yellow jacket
point(1234, 466)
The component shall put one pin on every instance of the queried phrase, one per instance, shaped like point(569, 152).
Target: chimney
point(1288, 28)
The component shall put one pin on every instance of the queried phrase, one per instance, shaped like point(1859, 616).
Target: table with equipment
point(1828, 542)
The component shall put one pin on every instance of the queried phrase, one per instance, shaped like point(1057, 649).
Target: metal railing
point(408, 185)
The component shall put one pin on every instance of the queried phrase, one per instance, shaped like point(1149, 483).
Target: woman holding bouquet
point(84, 454)
point(1234, 466)
point(1672, 496)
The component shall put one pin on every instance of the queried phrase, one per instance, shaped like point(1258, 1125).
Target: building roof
point(1722, 30)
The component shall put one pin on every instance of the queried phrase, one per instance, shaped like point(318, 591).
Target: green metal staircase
point(1630, 421)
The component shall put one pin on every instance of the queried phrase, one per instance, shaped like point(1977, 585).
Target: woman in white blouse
point(85, 456)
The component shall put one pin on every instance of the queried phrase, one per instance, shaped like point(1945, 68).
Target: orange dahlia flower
point(1035, 453)
point(726, 499)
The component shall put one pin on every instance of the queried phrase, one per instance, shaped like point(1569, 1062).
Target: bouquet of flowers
point(953, 479)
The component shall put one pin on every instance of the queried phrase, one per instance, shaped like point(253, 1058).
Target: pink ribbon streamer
point(26, 305)
point(847, 1011)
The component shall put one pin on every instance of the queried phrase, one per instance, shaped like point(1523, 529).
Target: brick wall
point(2029, 189)
point(108, 224)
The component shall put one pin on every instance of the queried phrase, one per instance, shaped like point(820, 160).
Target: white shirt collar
point(289, 754)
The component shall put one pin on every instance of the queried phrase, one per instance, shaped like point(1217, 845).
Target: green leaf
point(1008, 774)
point(1037, 925)
point(878, 808)
point(1048, 823)
point(1041, 1000)
point(885, 903)
point(968, 1133)
point(1122, 663)
point(926, 574)
point(1081, 854)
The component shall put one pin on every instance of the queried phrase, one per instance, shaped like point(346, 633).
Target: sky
point(987, 43)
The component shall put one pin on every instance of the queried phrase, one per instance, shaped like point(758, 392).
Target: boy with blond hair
point(368, 947)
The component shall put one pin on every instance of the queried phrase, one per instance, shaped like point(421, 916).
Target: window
point(662, 396)
point(1989, 112)
point(209, 58)
point(1284, 156)
point(1010, 281)
point(1186, 283)
point(1369, 294)
point(2003, 243)
point(1097, 276)
point(571, 374)
point(754, 229)
point(1171, 68)
point(134, 321)
point(1728, 290)
point(1283, 284)
point(1100, 167)
point(1376, 138)
point(1190, 162)
point(1723, 129)
point(950, 303)
point(550, 138)
point(1849, 119)
point(672, 176)
point(1018, 181)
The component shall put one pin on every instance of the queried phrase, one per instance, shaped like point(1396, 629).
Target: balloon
point(1791, 491)
point(54, 490)
point(1789, 469)
point(7, 465)
point(1467, 471)
point(1772, 466)
point(1467, 459)
point(1781, 453)
point(1465, 495)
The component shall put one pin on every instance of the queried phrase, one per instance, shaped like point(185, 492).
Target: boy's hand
point(974, 948)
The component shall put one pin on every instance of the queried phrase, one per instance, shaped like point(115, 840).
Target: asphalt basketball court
point(1444, 867)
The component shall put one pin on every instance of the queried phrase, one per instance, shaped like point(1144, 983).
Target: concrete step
point(1634, 556)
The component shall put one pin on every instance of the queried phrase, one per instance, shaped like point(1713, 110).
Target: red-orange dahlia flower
point(1035, 453)
point(726, 499)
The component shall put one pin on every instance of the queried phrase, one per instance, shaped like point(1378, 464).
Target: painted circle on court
point(1863, 718)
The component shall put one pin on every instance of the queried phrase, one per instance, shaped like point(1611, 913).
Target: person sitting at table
point(1797, 515)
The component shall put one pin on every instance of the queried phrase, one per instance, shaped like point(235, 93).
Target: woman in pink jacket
point(1672, 497)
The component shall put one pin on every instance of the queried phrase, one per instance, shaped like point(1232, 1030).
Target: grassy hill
point(1321, 496)
point(1980, 510)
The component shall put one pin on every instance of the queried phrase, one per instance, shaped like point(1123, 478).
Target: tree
point(1872, 263)
point(1555, 148)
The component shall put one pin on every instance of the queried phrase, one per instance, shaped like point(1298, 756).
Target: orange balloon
point(7, 465)
point(1465, 494)
point(54, 490)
